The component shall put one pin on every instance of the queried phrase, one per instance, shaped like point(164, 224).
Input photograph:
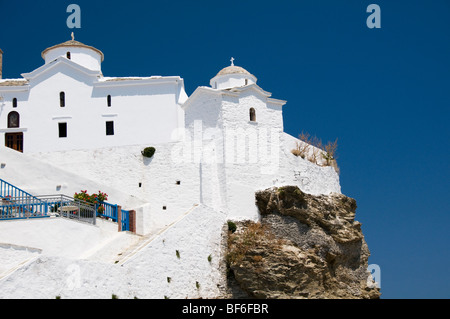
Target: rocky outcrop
point(304, 247)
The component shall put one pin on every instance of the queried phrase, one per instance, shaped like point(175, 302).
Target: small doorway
point(14, 141)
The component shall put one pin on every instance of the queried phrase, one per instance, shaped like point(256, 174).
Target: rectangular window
point(110, 128)
point(62, 130)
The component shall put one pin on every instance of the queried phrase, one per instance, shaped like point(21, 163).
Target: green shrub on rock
point(148, 152)
point(232, 226)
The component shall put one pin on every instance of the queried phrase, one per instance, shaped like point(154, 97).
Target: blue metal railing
point(15, 203)
point(8, 190)
point(111, 211)
point(17, 208)
point(107, 210)
point(45, 206)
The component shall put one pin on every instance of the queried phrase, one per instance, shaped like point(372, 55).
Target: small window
point(252, 115)
point(109, 100)
point(178, 182)
point(62, 99)
point(164, 207)
point(246, 81)
point(62, 127)
point(13, 120)
point(68, 55)
point(14, 102)
point(110, 128)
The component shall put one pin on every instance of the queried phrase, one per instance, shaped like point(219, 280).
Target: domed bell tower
point(231, 77)
point(84, 55)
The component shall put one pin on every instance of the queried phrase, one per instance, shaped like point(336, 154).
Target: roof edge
point(59, 60)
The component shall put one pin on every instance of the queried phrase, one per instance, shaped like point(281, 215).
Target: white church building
point(65, 127)
point(68, 104)
point(213, 148)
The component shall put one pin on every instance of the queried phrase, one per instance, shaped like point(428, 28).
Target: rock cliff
point(304, 247)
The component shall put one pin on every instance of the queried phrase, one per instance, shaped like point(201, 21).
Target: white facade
point(139, 110)
point(214, 150)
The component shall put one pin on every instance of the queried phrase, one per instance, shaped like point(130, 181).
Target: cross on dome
point(232, 61)
point(73, 36)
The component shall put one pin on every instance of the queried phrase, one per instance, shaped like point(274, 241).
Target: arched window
point(252, 115)
point(14, 102)
point(68, 55)
point(62, 99)
point(109, 100)
point(13, 120)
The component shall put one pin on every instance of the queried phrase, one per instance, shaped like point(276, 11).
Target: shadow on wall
point(147, 154)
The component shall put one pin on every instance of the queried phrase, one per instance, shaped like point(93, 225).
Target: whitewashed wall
point(152, 181)
point(145, 110)
point(153, 272)
point(196, 237)
point(40, 178)
point(223, 160)
point(227, 186)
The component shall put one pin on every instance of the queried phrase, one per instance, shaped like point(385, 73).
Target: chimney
point(1, 62)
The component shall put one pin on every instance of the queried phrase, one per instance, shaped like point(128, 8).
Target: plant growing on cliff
point(330, 152)
point(302, 146)
point(231, 226)
point(313, 150)
point(293, 190)
point(240, 243)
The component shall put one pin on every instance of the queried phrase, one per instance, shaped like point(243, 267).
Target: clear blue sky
point(384, 93)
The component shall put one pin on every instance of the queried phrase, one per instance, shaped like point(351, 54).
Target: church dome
point(78, 52)
point(232, 76)
point(233, 69)
point(73, 44)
